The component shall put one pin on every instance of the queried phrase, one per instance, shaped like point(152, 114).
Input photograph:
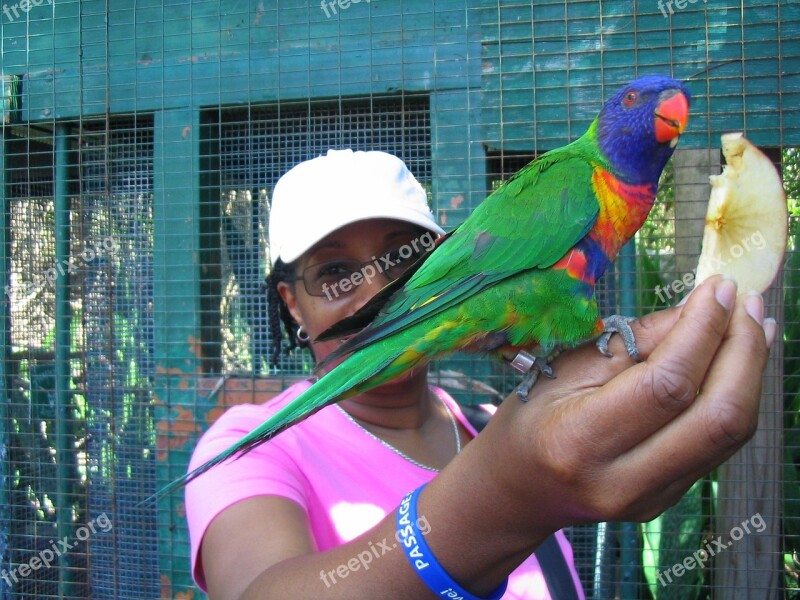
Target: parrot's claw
point(532, 366)
point(621, 325)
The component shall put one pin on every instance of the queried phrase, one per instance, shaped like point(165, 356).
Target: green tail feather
point(356, 374)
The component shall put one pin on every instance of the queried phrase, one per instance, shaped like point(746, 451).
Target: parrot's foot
point(621, 325)
point(532, 366)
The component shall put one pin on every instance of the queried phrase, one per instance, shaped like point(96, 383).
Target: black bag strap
point(551, 559)
point(556, 571)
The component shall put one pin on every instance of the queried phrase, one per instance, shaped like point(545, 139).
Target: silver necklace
point(398, 452)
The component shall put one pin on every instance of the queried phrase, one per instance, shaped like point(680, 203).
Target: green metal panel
point(240, 51)
point(552, 53)
point(5, 349)
point(559, 60)
point(458, 159)
point(63, 347)
point(177, 320)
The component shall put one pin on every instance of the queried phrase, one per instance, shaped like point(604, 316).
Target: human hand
point(609, 439)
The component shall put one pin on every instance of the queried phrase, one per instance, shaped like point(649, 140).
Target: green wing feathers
point(530, 222)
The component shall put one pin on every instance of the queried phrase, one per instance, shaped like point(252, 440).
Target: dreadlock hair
point(278, 314)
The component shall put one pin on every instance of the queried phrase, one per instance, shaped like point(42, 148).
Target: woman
point(315, 512)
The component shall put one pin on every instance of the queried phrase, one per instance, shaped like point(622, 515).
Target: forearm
point(371, 566)
point(376, 566)
point(466, 523)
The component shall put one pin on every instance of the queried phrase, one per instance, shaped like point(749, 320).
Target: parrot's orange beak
point(672, 115)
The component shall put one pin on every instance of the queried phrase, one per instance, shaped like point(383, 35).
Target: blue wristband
point(422, 559)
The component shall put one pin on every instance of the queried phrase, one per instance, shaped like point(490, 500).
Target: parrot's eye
point(630, 98)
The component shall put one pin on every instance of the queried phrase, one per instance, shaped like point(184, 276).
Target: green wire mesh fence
point(140, 145)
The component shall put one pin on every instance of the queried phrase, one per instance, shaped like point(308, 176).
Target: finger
point(727, 406)
point(597, 369)
point(721, 419)
point(586, 362)
point(584, 368)
point(643, 398)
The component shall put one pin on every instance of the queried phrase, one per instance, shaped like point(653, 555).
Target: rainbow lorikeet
point(520, 272)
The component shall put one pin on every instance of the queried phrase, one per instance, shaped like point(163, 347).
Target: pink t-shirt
point(344, 479)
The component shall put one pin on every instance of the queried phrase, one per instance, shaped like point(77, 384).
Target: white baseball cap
point(321, 195)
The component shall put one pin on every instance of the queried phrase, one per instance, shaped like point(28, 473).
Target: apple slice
point(747, 220)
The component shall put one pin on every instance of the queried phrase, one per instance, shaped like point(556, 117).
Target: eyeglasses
point(336, 278)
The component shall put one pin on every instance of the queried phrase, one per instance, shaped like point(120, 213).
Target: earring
point(302, 336)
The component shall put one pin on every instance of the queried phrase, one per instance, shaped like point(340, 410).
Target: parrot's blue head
point(639, 127)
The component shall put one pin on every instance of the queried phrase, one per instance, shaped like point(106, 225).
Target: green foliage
point(791, 462)
point(791, 183)
point(657, 235)
point(791, 372)
point(655, 246)
point(651, 277)
point(670, 538)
